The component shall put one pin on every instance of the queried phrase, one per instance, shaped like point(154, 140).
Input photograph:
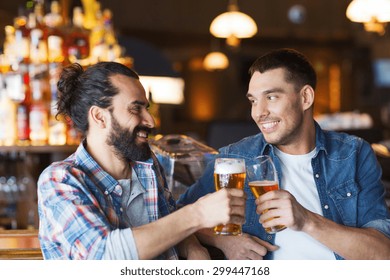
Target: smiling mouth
point(267, 126)
point(142, 134)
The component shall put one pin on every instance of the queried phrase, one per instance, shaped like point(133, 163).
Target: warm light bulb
point(215, 61)
point(233, 23)
point(374, 14)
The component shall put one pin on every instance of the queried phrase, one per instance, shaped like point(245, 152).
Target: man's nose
point(260, 110)
point(148, 120)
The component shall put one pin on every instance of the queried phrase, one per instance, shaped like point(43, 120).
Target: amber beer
point(259, 188)
point(229, 173)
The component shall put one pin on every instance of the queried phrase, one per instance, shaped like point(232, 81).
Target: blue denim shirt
point(346, 173)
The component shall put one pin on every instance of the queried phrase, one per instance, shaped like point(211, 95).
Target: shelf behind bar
point(40, 149)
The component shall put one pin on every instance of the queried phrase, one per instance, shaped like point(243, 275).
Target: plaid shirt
point(79, 204)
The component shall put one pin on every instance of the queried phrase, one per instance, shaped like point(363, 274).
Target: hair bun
point(69, 78)
point(67, 87)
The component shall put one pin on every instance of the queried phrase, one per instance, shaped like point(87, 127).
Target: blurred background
point(172, 37)
point(167, 43)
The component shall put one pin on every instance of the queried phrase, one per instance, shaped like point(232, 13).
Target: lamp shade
point(215, 61)
point(165, 90)
point(233, 23)
point(369, 10)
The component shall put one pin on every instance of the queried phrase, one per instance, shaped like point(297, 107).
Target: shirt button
point(326, 206)
point(317, 175)
point(106, 192)
point(121, 209)
point(349, 194)
point(269, 237)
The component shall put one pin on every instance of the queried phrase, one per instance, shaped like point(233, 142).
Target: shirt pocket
point(345, 198)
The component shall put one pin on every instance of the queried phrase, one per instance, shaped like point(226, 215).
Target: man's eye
point(136, 109)
point(252, 101)
point(271, 97)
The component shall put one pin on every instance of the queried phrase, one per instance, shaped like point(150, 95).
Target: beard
point(124, 142)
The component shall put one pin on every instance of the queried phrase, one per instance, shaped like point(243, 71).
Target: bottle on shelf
point(9, 49)
point(73, 136)
point(38, 117)
point(22, 38)
point(38, 39)
point(98, 47)
point(23, 111)
point(57, 125)
point(7, 115)
point(55, 37)
point(77, 42)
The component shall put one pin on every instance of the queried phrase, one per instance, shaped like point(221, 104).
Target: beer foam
point(229, 168)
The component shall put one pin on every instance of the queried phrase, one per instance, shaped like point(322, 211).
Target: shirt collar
point(104, 180)
point(320, 142)
point(320, 139)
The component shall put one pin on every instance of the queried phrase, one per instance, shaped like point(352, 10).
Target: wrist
point(194, 217)
point(312, 223)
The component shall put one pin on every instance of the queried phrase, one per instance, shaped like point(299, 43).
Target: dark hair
point(80, 89)
point(299, 70)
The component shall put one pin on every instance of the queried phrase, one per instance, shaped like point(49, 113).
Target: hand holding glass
point(229, 173)
point(262, 178)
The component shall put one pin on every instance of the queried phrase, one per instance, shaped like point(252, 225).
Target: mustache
point(142, 128)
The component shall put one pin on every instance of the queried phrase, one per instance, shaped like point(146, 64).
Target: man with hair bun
point(109, 200)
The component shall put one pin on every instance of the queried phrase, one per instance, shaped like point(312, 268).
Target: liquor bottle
point(9, 47)
point(109, 36)
point(98, 47)
point(55, 37)
point(90, 7)
point(78, 38)
point(22, 38)
point(73, 136)
point(22, 112)
point(38, 117)
point(7, 116)
point(57, 125)
point(38, 39)
point(114, 50)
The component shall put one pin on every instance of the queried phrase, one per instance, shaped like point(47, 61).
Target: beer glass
point(229, 173)
point(262, 178)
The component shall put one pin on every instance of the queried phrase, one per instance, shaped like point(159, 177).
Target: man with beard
point(331, 198)
point(109, 200)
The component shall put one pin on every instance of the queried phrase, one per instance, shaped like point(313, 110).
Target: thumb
point(267, 245)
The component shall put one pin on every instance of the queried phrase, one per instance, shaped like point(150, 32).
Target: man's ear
point(98, 116)
point(307, 94)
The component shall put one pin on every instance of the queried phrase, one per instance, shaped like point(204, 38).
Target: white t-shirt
point(297, 178)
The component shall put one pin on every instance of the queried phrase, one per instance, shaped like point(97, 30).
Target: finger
point(257, 249)
point(271, 204)
point(273, 195)
point(237, 219)
point(272, 222)
point(237, 210)
point(236, 192)
point(252, 255)
point(267, 245)
point(271, 214)
point(237, 201)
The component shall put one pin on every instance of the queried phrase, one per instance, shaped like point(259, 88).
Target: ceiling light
point(165, 90)
point(215, 61)
point(233, 25)
point(374, 14)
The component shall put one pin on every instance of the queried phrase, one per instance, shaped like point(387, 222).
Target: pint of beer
point(229, 173)
point(262, 178)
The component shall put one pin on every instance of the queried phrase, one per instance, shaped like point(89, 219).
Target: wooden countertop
point(20, 245)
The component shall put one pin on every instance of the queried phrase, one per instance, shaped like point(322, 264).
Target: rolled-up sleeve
point(120, 245)
point(381, 225)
